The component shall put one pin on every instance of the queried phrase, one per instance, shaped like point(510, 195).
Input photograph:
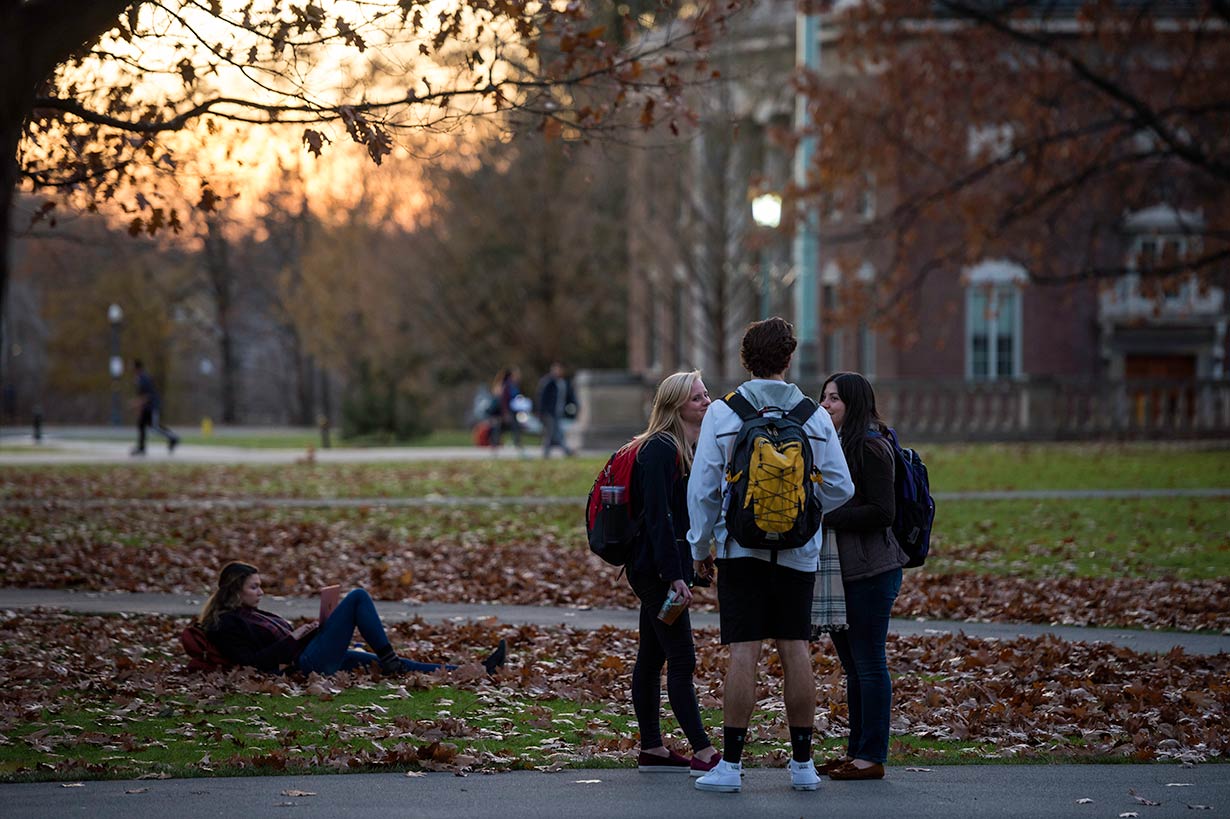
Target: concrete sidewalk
point(184, 605)
point(943, 791)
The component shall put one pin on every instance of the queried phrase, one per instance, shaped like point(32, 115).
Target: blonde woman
point(662, 563)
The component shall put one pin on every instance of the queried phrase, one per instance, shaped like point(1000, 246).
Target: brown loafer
point(832, 765)
point(848, 771)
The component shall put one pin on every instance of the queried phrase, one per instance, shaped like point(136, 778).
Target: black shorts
point(759, 600)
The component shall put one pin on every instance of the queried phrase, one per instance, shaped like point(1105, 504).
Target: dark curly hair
point(767, 347)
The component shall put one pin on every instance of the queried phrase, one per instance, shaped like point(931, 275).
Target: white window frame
point(996, 279)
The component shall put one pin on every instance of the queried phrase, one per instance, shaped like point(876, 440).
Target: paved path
point(587, 618)
point(938, 793)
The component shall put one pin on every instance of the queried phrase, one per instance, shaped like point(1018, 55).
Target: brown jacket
point(865, 539)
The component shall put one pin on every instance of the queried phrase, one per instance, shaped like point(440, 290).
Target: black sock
point(800, 743)
point(388, 660)
point(732, 744)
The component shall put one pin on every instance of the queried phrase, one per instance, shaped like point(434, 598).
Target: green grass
point(173, 735)
point(952, 468)
point(1184, 538)
point(377, 727)
point(957, 467)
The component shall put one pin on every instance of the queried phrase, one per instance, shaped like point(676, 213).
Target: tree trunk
point(35, 37)
point(221, 282)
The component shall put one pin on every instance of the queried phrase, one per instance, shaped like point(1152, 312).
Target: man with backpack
point(767, 466)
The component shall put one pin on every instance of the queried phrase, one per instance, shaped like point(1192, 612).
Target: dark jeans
point(671, 646)
point(330, 650)
point(869, 689)
point(151, 417)
point(553, 435)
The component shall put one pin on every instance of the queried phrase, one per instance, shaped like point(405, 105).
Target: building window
point(866, 350)
point(993, 332)
point(993, 321)
point(832, 339)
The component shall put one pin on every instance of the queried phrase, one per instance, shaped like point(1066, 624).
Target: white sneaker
point(725, 778)
point(803, 776)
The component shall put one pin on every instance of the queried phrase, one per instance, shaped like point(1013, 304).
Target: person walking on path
point(554, 397)
point(149, 411)
point(507, 389)
point(661, 564)
point(762, 595)
point(247, 635)
point(871, 563)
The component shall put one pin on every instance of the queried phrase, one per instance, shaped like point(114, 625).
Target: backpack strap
point(742, 407)
point(803, 411)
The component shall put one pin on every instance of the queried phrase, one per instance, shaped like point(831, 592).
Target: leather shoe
point(848, 771)
point(832, 764)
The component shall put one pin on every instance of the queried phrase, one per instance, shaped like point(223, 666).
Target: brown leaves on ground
point(181, 549)
point(1022, 698)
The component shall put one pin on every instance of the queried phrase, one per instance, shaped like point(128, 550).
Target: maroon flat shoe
point(832, 765)
point(849, 772)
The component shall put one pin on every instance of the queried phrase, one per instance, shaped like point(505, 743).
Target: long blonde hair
point(664, 418)
point(226, 596)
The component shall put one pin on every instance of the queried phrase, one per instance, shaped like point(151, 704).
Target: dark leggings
point(671, 646)
point(330, 651)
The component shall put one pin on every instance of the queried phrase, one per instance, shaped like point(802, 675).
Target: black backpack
point(770, 477)
point(913, 501)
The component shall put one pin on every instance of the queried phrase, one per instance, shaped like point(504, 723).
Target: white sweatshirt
point(707, 497)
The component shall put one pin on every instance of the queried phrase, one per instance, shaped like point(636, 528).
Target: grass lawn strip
point(105, 698)
point(953, 467)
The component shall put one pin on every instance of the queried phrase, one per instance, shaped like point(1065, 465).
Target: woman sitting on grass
point(248, 636)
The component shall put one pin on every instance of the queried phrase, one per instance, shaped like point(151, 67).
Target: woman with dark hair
point(246, 635)
point(662, 564)
point(871, 562)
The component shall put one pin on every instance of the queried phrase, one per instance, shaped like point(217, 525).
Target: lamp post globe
point(115, 366)
point(767, 213)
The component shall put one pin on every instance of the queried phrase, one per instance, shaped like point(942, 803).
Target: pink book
point(329, 597)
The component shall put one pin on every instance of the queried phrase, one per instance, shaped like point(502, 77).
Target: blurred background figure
point(149, 407)
point(556, 401)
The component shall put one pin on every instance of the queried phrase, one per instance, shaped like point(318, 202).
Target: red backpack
point(609, 524)
point(203, 655)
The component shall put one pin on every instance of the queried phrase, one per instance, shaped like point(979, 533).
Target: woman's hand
point(682, 592)
point(305, 629)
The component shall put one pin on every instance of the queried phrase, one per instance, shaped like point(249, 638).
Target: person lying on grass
point(248, 636)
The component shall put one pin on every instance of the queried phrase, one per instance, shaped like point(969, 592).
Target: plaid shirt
point(828, 602)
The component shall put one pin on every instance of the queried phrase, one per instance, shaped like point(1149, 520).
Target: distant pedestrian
point(661, 565)
point(507, 390)
point(555, 401)
point(762, 594)
point(149, 411)
point(871, 562)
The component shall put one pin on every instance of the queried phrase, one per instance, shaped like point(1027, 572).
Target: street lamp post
point(115, 316)
point(767, 212)
point(806, 237)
